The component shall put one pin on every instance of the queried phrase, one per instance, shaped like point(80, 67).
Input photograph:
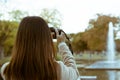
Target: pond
point(102, 74)
point(103, 70)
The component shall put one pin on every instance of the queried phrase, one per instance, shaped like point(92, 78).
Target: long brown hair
point(33, 52)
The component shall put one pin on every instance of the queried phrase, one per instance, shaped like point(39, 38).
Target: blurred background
point(85, 22)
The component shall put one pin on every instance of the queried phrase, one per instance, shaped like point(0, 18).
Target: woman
point(33, 56)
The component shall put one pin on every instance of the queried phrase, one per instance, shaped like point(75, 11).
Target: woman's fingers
point(56, 31)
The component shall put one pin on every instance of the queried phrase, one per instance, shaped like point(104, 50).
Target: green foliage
point(99, 31)
point(72, 35)
point(52, 17)
point(7, 35)
point(8, 28)
point(94, 38)
point(78, 44)
point(58, 57)
point(4, 60)
point(117, 41)
point(103, 20)
point(17, 15)
point(1, 15)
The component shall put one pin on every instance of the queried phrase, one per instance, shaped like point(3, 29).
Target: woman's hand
point(61, 37)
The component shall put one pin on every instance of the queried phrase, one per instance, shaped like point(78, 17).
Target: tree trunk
point(1, 52)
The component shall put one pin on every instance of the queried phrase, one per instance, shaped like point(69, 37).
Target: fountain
point(111, 44)
point(108, 69)
point(110, 63)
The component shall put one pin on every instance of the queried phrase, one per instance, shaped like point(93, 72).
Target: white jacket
point(68, 66)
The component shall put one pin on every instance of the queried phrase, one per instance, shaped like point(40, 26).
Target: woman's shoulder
point(60, 63)
point(3, 68)
point(62, 66)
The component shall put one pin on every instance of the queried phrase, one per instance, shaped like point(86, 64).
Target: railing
point(88, 77)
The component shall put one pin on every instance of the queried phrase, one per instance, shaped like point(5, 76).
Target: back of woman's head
point(33, 52)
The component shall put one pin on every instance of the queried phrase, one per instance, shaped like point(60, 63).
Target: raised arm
point(69, 70)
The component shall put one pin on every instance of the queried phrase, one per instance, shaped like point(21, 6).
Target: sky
point(75, 13)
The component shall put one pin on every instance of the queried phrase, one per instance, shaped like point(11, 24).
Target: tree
point(7, 34)
point(95, 36)
point(52, 17)
point(77, 43)
point(1, 15)
point(17, 15)
point(103, 20)
point(99, 31)
point(117, 44)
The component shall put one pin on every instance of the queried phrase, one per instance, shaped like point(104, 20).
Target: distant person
point(33, 56)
